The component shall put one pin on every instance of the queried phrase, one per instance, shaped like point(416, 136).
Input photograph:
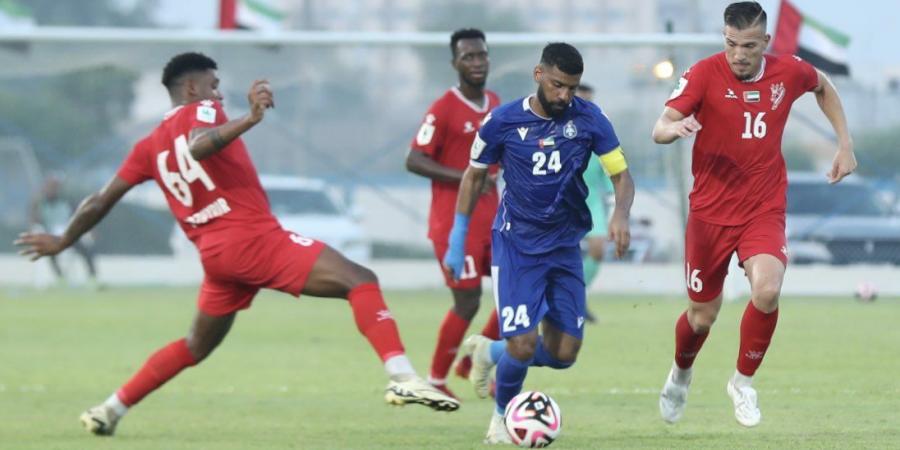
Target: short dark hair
point(185, 63)
point(464, 33)
point(564, 57)
point(584, 87)
point(743, 15)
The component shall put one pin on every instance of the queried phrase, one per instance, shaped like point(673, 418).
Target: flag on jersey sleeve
point(817, 43)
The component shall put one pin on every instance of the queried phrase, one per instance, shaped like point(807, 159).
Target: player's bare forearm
point(205, 142)
point(619, 228)
point(93, 209)
point(470, 187)
point(672, 125)
point(623, 185)
point(844, 162)
point(421, 164)
point(830, 104)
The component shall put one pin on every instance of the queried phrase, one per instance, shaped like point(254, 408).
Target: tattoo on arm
point(216, 139)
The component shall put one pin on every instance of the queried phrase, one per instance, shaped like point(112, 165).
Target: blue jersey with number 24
point(543, 206)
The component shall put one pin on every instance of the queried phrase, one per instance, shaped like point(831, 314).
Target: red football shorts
point(279, 260)
point(708, 249)
point(477, 264)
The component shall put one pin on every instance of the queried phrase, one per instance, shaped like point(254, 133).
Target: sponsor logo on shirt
point(426, 131)
point(682, 83)
point(217, 208)
point(730, 94)
point(777, 94)
point(206, 113)
point(522, 132)
point(468, 127)
point(569, 131)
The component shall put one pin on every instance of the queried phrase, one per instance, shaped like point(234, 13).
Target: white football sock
point(116, 405)
point(740, 380)
point(681, 376)
point(399, 366)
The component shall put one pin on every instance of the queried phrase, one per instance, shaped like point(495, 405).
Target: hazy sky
point(872, 25)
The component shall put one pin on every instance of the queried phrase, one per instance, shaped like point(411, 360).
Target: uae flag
point(267, 15)
point(801, 35)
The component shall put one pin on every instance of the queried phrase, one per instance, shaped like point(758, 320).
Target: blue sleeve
point(603, 134)
point(487, 148)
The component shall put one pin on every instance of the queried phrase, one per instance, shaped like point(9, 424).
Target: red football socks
point(162, 366)
point(757, 329)
point(453, 330)
point(491, 329)
point(687, 342)
point(374, 320)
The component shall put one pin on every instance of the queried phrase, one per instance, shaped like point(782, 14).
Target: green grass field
point(297, 375)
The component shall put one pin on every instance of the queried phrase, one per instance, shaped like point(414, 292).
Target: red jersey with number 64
point(739, 172)
point(218, 200)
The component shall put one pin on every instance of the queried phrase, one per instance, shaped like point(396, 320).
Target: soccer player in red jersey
point(198, 159)
point(737, 103)
point(440, 151)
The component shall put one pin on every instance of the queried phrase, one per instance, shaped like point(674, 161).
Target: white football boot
point(746, 407)
point(100, 420)
point(673, 398)
point(415, 390)
point(478, 348)
point(497, 433)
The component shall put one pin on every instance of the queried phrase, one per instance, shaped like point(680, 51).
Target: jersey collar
point(482, 109)
point(526, 106)
point(758, 76)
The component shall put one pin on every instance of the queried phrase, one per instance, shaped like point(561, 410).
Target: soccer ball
point(532, 419)
point(866, 292)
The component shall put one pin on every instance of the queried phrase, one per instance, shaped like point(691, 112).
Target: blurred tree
point(106, 13)
point(878, 153)
point(65, 116)
point(796, 157)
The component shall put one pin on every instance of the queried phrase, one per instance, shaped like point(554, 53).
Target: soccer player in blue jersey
point(544, 143)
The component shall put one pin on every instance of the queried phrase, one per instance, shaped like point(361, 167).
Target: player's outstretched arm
point(470, 187)
point(91, 210)
point(619, 229)
point(672, 125)
point(205, 142)
point(830, 103)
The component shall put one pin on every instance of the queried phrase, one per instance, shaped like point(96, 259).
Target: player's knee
point(466, 304)
point(565, 357)
point(702, 320)
point(198, 348)
point(765, 297)
point(521, 349)
point(358, 275)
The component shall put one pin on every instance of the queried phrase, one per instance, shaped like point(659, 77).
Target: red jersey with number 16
point(217, 201)
point(446, 136)
point(739, 172)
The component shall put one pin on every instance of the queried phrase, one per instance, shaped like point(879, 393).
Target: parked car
point(306, 206)
point(844, 223)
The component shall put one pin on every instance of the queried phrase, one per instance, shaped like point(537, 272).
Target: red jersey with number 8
point(218, 200)
point(739, 172)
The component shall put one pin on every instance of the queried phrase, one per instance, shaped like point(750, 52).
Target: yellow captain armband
point(613, 162)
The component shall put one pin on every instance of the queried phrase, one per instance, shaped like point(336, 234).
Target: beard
point(477, 84)
point(554, 109)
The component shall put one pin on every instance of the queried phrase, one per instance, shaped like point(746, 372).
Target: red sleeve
point(137, 167)
point(688, 95)
point(430, 137)
point(205, 114)
point(808, 74)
